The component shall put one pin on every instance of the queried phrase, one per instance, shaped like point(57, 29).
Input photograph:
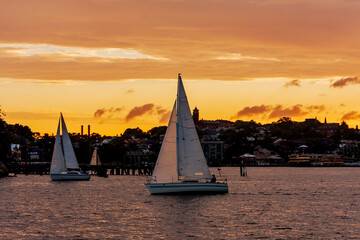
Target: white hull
point(187, 187)
point(69, 176)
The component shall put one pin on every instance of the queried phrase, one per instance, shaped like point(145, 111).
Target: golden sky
point(114, 64)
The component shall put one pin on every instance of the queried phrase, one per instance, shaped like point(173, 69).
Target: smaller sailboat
point(64, 165)
point(181, 166)
point(95, 165)
point(95, 159)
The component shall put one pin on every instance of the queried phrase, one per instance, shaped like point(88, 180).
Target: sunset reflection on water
point(272, 203)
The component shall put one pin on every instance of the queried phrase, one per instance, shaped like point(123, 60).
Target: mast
point(177, 127)
point(191, 159)
point(69, 154)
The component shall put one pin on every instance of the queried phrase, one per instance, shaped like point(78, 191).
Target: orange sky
point(114, 64)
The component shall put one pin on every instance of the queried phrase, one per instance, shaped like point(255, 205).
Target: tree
point(134, 132)
point(5, 142)
point(157, 131)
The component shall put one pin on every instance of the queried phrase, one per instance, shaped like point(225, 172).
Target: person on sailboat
point(213, 179)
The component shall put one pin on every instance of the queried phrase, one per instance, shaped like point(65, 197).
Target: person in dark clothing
point(213, 179)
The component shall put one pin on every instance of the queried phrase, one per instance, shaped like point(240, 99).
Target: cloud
point(237, 56)
point(151, 109)
point(345, 81)
point(294, 111)
point(318, 108)
point(108, 112)
point(353, 115)
point(220, 33)
point(294, 83)
point(278, 111)
point(46, 49)
point(139, 111)
point(165, 117)
point(163, 113)
point(160, 110)
point(254, 110)
point(99, 112)
point(130, 91)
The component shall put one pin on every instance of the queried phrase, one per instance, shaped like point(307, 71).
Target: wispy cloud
point(317, 108)
point(47, 82)
point(353, 115)
point(294, 111)
point(254, 110)
point(130, 91)
point(139, 111)
point(44, 49)
point(278, 111)
point(292, 83)
point(238, 56)
point(106, 112)
point(345, 81)
point(164, 114)
point(150, 109)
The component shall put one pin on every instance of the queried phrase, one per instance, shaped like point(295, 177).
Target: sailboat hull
point(187, 188)
point(69, 176)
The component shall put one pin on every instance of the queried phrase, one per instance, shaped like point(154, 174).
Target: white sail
point(191, 159)
point(69, 154)
point(57, 162)
point(95, 159)
point(166, 165)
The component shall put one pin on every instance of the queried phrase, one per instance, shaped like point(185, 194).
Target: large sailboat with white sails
point(64, 165)
point(181, 166)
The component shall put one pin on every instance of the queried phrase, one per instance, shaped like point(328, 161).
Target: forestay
point(166, 165)
point(58, 162)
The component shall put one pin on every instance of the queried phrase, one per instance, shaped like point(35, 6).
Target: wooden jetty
point(43, 168)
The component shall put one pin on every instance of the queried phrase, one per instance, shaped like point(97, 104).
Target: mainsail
point(69, 154)
point(58, 162)
point(191, 159)
point(166, 164)
point(95, 159)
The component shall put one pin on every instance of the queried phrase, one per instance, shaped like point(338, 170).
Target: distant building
point(265, 157)
point(34, 154)
point(313, 121)
point(328, 129)
point(213, 149)
point(217, 124)
point(196, 115)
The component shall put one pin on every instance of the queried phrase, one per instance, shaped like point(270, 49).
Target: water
point(271, 203)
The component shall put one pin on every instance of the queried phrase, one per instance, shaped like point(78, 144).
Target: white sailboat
point(95, 165)
point(64, 165)
point(95, 159)
point(181, 166)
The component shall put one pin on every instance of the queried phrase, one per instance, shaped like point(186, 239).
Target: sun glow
point(120, 59)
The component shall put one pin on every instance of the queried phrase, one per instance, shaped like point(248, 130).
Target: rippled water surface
point(271, 203)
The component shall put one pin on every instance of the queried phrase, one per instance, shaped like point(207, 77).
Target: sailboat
point(64, 165)
point(181, 166)
point(95, 164)
point(95, 159)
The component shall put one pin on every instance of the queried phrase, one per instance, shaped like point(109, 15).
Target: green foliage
point(157, 131)
point(5, 141)
point(134, 132)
